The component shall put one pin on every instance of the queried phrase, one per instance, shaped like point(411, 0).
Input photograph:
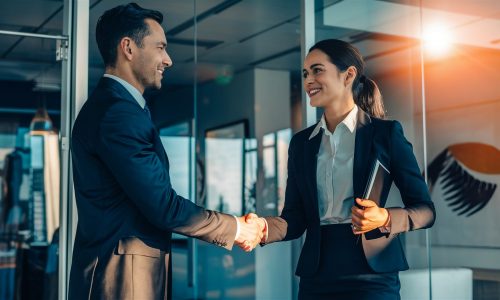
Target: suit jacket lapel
point(362, 152)
point(311, 160)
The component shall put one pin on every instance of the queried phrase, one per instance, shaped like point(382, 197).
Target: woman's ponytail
point(368, 97)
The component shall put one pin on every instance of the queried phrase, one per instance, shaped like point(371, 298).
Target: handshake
point(253, 230)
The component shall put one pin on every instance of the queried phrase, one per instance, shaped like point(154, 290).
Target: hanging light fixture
point(41, 121)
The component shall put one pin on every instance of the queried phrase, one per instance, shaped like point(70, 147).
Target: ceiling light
point(437, 40)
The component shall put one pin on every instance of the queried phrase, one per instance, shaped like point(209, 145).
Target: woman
point(352, 249)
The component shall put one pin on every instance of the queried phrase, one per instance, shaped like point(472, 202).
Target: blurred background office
point(226, 112)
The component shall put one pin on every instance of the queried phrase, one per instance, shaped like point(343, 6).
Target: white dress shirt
point(334, 171)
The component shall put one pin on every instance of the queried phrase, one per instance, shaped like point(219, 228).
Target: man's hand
point(250, 233)
point(369, 217)
point(262, 224)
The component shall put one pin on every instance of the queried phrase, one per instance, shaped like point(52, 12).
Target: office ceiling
point(234, 35)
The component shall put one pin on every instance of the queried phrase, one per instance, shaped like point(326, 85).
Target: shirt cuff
point(237, 228)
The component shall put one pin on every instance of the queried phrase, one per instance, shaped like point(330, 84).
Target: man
point(127, 208)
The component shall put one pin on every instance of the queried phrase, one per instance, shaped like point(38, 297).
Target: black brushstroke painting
point(465, 194)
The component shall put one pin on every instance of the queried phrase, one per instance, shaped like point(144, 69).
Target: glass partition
point(225, 168)
point(30, 114)
point(178, 143)
point(247, 55)
point(461, 68)
point(275, 158)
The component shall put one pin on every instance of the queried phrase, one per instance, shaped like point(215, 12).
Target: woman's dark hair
point(119, 22)
point(365, 91)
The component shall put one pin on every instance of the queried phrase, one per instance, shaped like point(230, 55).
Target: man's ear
point(125, 47)
point(351, 73)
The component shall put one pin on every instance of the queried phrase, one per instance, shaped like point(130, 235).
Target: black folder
point(378, 175)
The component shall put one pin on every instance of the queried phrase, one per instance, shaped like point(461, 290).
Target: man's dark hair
point(119, 22)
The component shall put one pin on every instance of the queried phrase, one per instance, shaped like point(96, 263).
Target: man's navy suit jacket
point(125, 200)
point(375, 139)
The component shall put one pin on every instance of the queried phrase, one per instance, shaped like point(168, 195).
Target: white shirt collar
point(130, 88)
point(349, 121)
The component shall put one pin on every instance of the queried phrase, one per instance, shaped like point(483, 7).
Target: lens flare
point(437, 40)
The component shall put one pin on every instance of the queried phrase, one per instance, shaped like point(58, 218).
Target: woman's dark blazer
point(375, 139)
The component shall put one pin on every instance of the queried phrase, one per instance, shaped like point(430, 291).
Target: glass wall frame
point(61, 48)
point(462, 144)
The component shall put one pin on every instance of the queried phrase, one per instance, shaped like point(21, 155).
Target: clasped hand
point(252, 230)
point(368, 217)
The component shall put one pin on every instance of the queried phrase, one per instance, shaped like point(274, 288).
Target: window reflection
point(225, 168)
point(178, 144)
point(275, 156)
point(250, 175)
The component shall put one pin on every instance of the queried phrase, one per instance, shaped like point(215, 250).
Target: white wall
point(272, 101)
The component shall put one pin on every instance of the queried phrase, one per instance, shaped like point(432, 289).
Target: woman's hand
point(369, 217)
point(251, 232)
